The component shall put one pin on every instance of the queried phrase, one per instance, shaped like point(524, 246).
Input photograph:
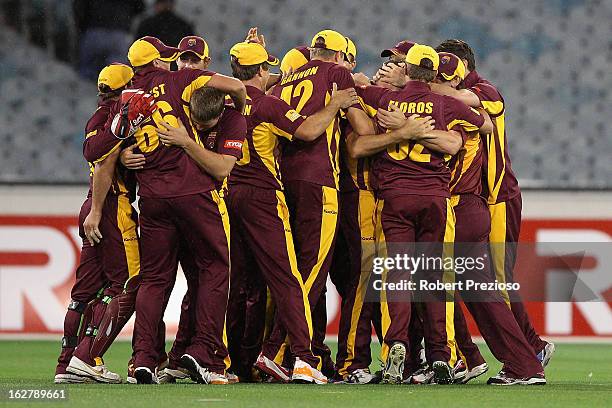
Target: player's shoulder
point(188, 75)
point(485, 89)
point(337, 69)
point(231, 113)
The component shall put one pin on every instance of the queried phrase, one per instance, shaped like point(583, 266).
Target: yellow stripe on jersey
point(110, 152)
point(197, 83)
point(280, 132)
point(371, 112)
point(469, 127)
point(90, 134)
point(333, 136)
point(472, 144)
point(127, 227)
point(493, 108)
point(265, 144)
point(493, 182)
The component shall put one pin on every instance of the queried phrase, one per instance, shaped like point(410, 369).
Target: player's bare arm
point(447, 142)
point(367, 145)
point(464, 95)
point(232, 86)
point(102, 180)
point(131, 160)
point(217, 165)
point(315, 125)
point(487, 127)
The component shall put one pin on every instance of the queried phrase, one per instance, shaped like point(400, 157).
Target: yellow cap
point(251, 53)
point(351, 48)
point(329, 39)
point(115, 76)
point(148, 49)
point(294, 59)
point(419, 52)
point(451, 66)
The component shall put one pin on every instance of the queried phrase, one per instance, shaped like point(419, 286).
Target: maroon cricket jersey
point(409, 167)
point(354, 173)
point(500, 183)
point(227, 136)
point(168, 170)
point(308, 90)
point(100, 142)
point(466, 167)
point(267, 118)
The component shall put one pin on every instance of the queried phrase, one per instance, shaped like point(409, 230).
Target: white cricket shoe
point(305, 373)
point(361, 376)
point(546, 353)
point(201, 374)
point(170, 375)
point(99, 372)
point(269, 367)
point(473, 373)
point(69, 378)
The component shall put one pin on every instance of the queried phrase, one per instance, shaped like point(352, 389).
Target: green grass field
point(579, 375)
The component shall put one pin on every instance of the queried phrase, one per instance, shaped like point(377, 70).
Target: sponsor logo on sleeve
point(233, 144)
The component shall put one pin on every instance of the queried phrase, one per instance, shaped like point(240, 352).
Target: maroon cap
point(195, 44)
point(401, 48)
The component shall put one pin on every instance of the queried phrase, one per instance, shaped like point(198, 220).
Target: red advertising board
point(39, 255)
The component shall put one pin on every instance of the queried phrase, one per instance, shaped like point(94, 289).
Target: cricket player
point(412, 185)
point(257, 204)
point(500, 185)
point(352, 260)
point(494, 319)
point(311, 169)
point(102, 301)
point(178, 200)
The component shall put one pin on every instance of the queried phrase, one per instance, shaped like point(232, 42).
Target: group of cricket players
point(262, 185)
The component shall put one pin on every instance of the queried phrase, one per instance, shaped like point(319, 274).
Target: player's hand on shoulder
point(361, 79)
point(131, 160)
point(344, 97)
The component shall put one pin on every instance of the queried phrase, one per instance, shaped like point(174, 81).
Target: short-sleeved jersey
point(500, 183)
point(409, 167)
point(268, 118)
point(169, 171)
point(99, 143)
point(308, 90)
point(227, 136)
point(466, 167)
